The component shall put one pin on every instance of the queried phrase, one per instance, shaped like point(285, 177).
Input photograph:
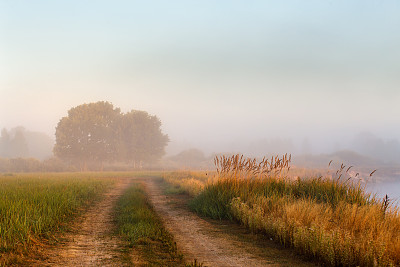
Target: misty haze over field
point(259, 77)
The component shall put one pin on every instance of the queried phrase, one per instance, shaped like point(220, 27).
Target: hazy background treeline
point(22, 150)
point(19, 142)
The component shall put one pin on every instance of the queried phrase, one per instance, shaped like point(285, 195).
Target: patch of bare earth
point(91, 241)
point(216, 243)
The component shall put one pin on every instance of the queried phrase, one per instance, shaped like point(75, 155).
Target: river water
point(392, 189)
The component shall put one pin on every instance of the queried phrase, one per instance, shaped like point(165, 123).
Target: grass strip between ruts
point(142, 228)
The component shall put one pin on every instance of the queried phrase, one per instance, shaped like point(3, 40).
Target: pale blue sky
point(214, 72)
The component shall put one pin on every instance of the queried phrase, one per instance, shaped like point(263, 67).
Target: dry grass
point(331, 219)
point(188, 181)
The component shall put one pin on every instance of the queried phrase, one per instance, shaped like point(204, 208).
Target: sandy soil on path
point(91, 241)
point(213, 244)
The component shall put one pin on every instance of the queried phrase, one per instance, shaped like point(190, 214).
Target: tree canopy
point(99, 133)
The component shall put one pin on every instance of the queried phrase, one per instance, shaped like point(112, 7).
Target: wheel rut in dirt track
point(91, 242)
point(199, 239)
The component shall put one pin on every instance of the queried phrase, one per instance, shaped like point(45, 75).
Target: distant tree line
point(53, 164)
point(10, 165)
point(21, 143)
point(97, 133)
point(13, 146)
point(370, 145)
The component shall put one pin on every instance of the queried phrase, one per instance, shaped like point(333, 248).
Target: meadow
point(330, 219)
point(35, 207)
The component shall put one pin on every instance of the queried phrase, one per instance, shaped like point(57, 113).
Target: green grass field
point(34, 207)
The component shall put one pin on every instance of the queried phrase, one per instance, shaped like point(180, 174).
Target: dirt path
point(91, 242)
point(223, 244)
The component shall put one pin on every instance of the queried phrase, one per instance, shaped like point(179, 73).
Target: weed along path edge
point(91, 241)
point(213, 244)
